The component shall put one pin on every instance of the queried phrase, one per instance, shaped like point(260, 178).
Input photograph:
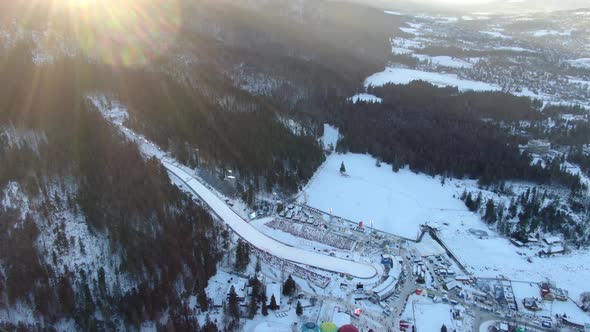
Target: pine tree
point(203, 301)
point(299, 309)
point(443, 328)
point(264, 309)
point(490, 214)
point(273, 303)
point(342, 168)
point(233, 307)
point(252, 306)
point(258, 266)
point(209, 325)
point(289, 286)
point(242, 256)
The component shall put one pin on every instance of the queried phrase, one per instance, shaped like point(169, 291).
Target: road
point(264, 242)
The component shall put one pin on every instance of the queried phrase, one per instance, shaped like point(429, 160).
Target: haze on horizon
point(491, 6)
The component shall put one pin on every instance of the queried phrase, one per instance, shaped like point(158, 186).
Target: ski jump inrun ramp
point(266, 243)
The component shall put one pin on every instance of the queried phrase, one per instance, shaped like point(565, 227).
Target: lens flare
point(125, 32)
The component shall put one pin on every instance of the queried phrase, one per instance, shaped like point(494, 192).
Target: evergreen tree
point(490, 214)
point(264, 309)
point(209, 325)
point(342, 168)
point(233, 306)
point(443, 328)
point(242, 256)
point(289, 286)
point(258, 266)
point(203, 301)
point(252, 306)
point(273, 303)
point(299, 309)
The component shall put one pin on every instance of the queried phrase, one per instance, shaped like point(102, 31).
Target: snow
point(543, 33)
point(330, 137)
point(366, 98)
point(405, 76)
point(412, 31)
point(494, 255)
point(582, 62)
point(389, 12)
point(265, 243)
point(393, 202)
point(445, 61)
point(495, 34)
point(429, 316)
point(548, 308)
point(512, 48)
point(14, 198)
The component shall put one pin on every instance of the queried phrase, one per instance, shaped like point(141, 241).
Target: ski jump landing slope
point(268, 244)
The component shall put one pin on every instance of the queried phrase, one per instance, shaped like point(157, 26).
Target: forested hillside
point(91, 232)
point(441, 131)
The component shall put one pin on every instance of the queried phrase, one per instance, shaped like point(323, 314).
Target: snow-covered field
point(582, 63)
point(429, 316)
point(399, 202)
point(496, 34)
point(445, 61)
point(393, 202)
point(405, 76)
point(543, 33)
point(366, 98)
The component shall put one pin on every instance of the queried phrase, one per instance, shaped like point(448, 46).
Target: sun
point(125, 32)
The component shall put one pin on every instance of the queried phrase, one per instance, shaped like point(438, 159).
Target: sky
point(487, 5)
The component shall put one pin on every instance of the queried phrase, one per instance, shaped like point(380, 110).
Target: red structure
point(348, 328)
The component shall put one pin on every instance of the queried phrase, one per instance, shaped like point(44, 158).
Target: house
point(551, 240)
point(531, 303)
point(553, 249)
point(452, 285)
point(516, 242)
point(560, 294)
point(273, 289)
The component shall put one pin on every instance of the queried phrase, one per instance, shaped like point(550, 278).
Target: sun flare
point(124, 32)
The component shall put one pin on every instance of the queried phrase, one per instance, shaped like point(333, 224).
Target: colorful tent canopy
point(348, 328)
point(328, 327)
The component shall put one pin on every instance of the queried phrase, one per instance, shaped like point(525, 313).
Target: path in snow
point(268, 244)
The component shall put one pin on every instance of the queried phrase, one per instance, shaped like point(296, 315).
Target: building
point(551, 240)
point(560, 294)
point(384, 290)
point(273, 289)
point(553, 249)
point(452, 285)
point(531, 303)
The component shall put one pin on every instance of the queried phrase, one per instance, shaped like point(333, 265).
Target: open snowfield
point(582, 63)
point(430, 316)
point(265, 243)
point(445, 61)
point(494, 255)
point(397, 203)
point(405, 76)
point(366, 98)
